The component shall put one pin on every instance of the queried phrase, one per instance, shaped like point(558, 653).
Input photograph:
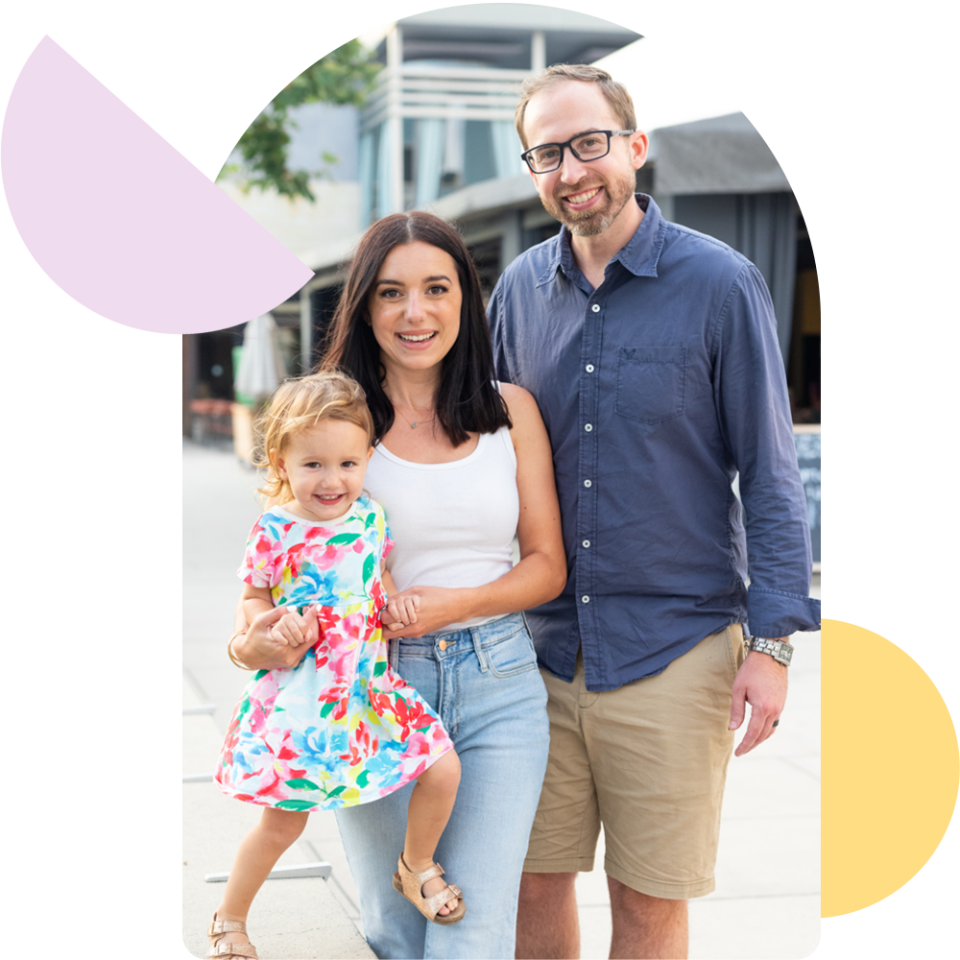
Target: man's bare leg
point(547, 924)
point(646, 928)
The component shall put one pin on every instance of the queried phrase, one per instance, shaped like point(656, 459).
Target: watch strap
point(780, 650)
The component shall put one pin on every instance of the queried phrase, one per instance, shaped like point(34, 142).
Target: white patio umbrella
point(261, 369)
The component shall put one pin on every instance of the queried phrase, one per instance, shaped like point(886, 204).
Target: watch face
point(781, 652)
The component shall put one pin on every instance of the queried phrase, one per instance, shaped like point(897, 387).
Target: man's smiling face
point(586, 196)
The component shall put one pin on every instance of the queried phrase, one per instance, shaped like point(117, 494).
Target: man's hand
point(761, 682)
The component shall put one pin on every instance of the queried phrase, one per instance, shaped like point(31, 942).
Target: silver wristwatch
point(780, 650)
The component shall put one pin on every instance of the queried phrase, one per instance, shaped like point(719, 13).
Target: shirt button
point(586, 543)
point(588, 483)
point(596, 308)
point(589, 368)
point(588, 427)
point(585, 599)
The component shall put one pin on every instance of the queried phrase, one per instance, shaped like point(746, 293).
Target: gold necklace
point(413, 423)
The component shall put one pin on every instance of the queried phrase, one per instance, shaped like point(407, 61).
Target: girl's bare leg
point(430, 806)
point(257, 856)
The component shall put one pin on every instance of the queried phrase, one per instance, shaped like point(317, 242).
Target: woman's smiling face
point(414, 307)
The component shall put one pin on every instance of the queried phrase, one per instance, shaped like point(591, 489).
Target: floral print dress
point(341, 728)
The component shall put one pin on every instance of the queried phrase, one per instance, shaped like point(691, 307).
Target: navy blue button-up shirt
point(657, 388)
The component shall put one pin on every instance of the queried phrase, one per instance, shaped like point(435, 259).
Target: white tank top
point(452, 524)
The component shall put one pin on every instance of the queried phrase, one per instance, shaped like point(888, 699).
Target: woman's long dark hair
point(467, 399)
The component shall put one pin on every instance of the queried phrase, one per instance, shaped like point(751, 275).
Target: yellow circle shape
point(890, 766)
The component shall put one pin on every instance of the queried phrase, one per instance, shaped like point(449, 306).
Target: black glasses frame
point(525, 156)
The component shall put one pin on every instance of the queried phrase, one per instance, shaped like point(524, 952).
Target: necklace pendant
point(414, 424)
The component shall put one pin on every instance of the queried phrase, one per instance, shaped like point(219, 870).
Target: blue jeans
point(487, 690)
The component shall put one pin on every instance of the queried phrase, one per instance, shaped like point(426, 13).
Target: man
point(652, 352)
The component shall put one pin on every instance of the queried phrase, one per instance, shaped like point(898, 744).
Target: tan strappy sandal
point(229, 949)
point(410, 884)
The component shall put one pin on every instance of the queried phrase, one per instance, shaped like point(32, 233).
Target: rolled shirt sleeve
point(754, 412)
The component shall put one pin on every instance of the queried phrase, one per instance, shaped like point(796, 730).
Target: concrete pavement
point(767, 901)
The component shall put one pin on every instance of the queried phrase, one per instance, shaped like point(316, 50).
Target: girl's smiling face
point(414, 306)
point(325, 466)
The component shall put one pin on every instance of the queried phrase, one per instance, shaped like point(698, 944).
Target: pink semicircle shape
point(120, 220)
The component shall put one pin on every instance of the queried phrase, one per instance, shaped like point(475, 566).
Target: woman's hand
point(262, 647)
point(438, 607)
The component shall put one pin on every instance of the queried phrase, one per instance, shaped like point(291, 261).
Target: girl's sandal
point(229, 949)
point(410, 884)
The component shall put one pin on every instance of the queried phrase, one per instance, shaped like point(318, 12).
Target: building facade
point(437, 134)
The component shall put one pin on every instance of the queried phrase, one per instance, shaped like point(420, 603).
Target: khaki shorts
point(648, 761)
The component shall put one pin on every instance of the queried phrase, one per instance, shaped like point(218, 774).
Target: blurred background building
point(437, 133)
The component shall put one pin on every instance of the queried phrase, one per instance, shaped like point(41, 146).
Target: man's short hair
point(616, 93)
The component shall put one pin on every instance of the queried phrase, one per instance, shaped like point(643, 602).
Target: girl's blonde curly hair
point(298, 405)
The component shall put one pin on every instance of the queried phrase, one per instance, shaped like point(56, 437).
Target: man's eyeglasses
point(585, 146)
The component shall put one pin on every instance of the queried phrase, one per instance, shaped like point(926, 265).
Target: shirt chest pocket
point(650, 382)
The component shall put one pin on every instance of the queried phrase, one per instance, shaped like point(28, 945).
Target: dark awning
point(718, 155)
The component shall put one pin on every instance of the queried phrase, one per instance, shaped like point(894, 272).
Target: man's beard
point(592, 226)
point(591, 223)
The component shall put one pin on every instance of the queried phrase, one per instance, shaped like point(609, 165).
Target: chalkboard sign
point(807, 440)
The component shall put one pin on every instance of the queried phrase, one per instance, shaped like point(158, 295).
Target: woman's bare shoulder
point(523, 410)
point(517, 399)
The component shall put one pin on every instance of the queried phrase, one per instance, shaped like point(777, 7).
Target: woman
point(461, 465)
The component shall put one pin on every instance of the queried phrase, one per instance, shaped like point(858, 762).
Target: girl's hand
point(294, 628)
point(437, 607)
point(401, 610)
point(260, 649)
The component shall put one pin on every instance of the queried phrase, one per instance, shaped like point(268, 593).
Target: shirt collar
point(639, 255)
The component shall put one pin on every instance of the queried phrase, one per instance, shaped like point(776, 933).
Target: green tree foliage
point(344, 76)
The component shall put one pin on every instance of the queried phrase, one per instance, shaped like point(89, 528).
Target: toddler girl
point(341, 728)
